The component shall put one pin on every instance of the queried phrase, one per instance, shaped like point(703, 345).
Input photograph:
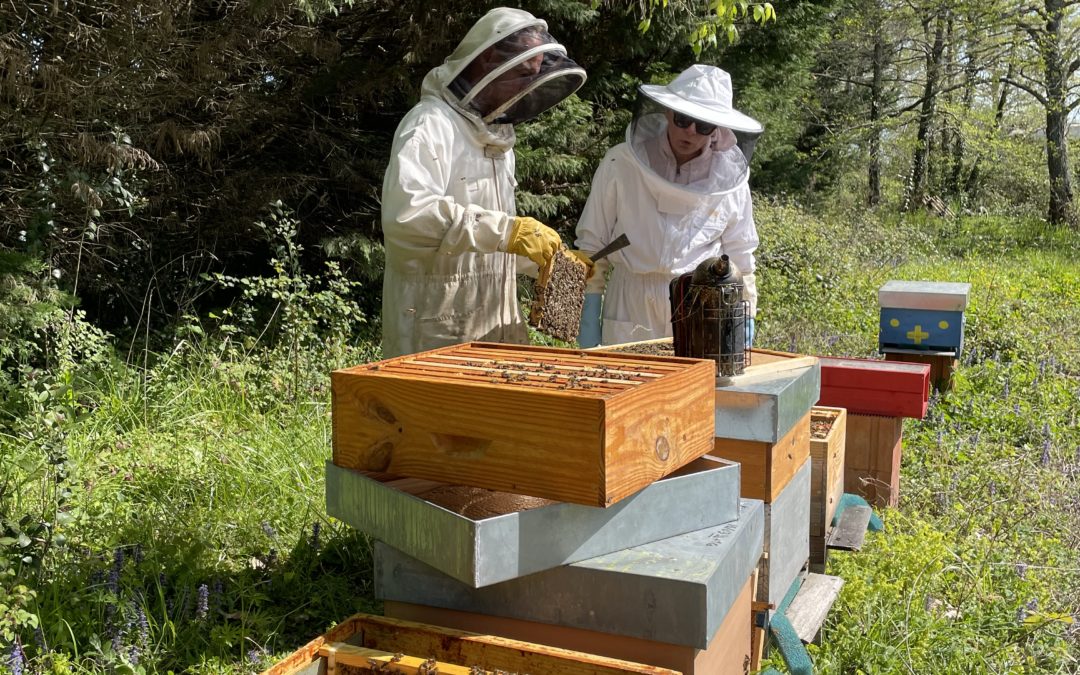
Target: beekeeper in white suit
point(449, 222)
point(678, 188)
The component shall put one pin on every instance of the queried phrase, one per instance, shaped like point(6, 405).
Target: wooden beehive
point(767, 468)
point(872, 454)
point(759, 362)
point(827, 476)
point(367, 644)
point(726, 654)
point(561, 424)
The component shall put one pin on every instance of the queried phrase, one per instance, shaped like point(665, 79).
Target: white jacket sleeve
point(596, 227)
point(739, 241)
point(417, 212)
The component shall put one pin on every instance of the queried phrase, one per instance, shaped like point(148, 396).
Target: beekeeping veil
point(508, 69)
point(703, 94)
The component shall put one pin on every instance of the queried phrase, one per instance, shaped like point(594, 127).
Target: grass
point(186, 501)
point(979, 567)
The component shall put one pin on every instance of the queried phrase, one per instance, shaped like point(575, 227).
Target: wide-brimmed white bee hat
point(704, 93)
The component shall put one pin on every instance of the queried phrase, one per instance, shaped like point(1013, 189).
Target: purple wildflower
point(992, 488)
point(16, 660)
point(315, 527)
point(1025, 610)
point(257, 655)
point(268, 530)
point(118, 640)
point(144, 626)
point(1045, 459)
point(1016, 409)
point(204, 602)
point(113, 580)
point(1021, 569)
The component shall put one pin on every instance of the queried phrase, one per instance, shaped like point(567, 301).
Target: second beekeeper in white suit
point(679, 189)
point(449, 221)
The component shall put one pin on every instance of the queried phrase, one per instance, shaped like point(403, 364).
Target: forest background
point(189, 242)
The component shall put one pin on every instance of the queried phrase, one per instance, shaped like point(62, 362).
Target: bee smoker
point(708, 315)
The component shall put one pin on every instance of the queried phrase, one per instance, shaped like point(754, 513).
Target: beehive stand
point(567, 425)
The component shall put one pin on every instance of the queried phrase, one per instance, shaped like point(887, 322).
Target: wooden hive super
point(562, 424)
point(375, 644)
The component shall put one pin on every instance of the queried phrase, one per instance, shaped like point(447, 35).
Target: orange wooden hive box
point(563, 424)
point(375, 644)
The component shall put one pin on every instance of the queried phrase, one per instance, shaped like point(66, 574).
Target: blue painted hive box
point(922, 316)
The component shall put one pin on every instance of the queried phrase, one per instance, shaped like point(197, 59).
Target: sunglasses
point(684, 121)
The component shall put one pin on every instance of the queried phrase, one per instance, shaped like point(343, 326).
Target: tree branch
point(1020, 85)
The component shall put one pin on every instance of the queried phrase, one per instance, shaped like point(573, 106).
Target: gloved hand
point(749, 330)
point(589, 333)
point(533, 239)
point(589, 265)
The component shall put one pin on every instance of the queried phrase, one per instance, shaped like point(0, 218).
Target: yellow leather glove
point(533, 239)
point(584, 257)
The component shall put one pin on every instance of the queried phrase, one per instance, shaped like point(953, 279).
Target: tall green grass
point(978, 570)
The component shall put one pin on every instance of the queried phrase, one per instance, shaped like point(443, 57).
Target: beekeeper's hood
point(700, 94)
point(508, 69)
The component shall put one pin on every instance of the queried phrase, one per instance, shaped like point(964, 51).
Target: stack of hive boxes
point(763, 422)
point(556, 496)
point(877, 395)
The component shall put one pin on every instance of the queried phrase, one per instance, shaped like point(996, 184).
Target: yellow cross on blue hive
point(926, 329)
point(918, 334)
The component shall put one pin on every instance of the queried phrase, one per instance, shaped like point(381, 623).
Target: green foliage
point(291, 312)
point(720, 19)
point(979, 568)
point(557, 156)
point(49, 357)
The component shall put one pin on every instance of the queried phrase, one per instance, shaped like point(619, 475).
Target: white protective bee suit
point(448, 193)
point(675, 216)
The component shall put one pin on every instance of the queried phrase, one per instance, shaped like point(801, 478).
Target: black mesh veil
point(518, 77)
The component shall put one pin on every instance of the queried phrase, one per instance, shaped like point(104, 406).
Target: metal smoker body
point(708, 315)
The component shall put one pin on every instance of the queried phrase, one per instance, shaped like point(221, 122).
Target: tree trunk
point(917, 184)
point(971, 185)
point(1057, 119)
point(956, 175)
point(873, 171)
